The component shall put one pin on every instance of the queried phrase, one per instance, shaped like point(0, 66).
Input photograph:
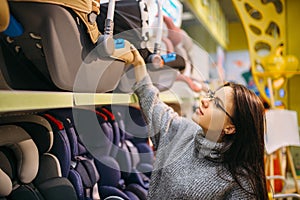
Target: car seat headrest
point(133, 120)
point(26, 152)
point(5, 182)
point(39, 128)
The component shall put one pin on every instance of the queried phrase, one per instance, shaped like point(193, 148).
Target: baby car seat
point(128, 157)
point(82, 126)
point(53, 51)
point(27, 172)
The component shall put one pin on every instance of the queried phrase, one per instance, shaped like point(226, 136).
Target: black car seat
point(40, 131)
point(29, 172)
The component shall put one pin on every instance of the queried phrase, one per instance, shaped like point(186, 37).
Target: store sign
point(173, 9)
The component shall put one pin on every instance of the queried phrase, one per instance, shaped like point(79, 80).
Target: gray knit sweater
point(187, 165)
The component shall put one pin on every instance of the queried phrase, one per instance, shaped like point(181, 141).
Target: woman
point(218, 155)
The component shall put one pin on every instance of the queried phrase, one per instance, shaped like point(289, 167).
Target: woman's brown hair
point(245, 157)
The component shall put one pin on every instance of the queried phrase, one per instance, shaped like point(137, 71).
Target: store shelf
point(36, 100)
point(211, 16)
point(81, 99)
point(32, 100)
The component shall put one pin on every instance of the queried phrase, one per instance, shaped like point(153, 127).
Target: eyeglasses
point(210, 95)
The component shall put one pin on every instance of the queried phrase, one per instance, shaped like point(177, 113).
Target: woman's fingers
point(138, 60)
point(134, 51)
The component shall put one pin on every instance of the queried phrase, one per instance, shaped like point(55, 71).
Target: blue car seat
point(134, 128)
point(80, 126)
point(128, 157)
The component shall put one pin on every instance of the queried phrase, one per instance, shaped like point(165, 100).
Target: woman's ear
point(229, 129)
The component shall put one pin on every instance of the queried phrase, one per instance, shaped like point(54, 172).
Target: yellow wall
point(237, 37)
point(293, 47)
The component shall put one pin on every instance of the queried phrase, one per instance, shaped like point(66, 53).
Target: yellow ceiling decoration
point(264, 24)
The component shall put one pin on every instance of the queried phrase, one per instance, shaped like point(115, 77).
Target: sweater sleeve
point(160, 117)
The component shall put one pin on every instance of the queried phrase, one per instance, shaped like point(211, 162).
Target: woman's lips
point(199, 111)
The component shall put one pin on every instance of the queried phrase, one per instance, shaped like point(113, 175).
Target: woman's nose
point(205, 102)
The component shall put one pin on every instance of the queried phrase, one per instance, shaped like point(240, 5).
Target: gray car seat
point(54, 52)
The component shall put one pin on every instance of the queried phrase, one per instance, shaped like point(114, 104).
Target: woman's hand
point(129, 57)
point(133, 57)
point(137, 58)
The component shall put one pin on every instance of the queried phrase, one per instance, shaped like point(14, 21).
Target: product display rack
point(12, 100)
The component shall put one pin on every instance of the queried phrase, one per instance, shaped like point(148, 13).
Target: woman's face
point(211, 114)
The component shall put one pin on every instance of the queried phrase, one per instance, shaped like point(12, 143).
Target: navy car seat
point(93, 130)
point(62, 147)
point(79, 123)
point(134, 128)
point(110, 119)
point(28, 172)
point(128, 157)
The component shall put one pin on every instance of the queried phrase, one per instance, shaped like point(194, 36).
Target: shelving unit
point(11, 100)
point(211, 16)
